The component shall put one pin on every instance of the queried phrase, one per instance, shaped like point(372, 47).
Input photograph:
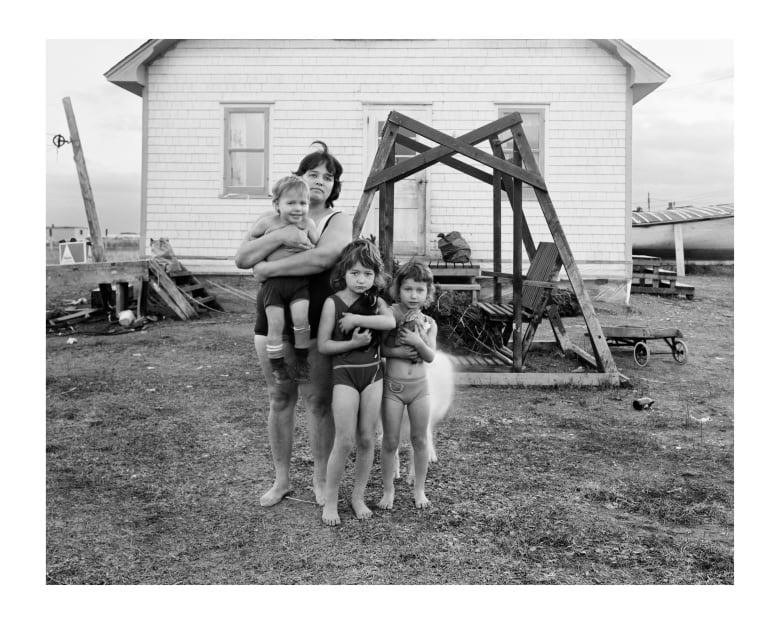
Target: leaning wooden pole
point(86, 189)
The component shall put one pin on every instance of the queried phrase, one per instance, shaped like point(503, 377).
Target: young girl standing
point(411, 343)
point(351, 322)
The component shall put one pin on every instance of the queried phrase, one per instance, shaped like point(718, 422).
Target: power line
point(697, 84)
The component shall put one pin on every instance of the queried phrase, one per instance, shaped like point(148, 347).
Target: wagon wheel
point(680, 351)
point(640, 353)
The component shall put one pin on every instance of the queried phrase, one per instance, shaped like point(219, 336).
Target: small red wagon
point(637, 337)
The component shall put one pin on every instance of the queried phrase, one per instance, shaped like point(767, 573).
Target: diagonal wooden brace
point(447, 146)
point(385, 148)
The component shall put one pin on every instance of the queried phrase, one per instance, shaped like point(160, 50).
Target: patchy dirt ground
point(157, 454)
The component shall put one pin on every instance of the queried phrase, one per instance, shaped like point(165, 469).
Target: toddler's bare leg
point(392, 412)
point(419, 413)
point(275, 316)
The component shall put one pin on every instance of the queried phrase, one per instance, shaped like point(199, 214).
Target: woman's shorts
point(357, 377)
point(407, 391)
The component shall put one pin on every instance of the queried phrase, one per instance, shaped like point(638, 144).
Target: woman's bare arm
point(254, 249)
point(322, 257)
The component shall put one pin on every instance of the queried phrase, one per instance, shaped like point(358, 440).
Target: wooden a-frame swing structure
point(509, 176)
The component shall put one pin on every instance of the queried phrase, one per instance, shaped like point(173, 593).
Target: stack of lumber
point(180, 292)
point(649, 278)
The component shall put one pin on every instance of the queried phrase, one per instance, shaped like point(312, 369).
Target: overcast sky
point(683, 131)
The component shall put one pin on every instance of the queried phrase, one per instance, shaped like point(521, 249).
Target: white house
point(222, 119)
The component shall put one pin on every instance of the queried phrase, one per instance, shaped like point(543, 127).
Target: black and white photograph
point(390, 310)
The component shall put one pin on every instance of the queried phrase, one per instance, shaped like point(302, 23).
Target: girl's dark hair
point(417, 271)
point(366, 253)
point(320, 157)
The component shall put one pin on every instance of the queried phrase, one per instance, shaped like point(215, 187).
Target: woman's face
point(320, 182)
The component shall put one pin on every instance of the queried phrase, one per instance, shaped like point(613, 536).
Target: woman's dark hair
point(366, 253)
point(417, 271)
point(320, 157)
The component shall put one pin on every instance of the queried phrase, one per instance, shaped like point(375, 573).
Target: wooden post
point(86, 188)
point(517, 262)
point(497, 297)
point(387, 216)
point(679, 248)
point(122, 297)
point(386, 143)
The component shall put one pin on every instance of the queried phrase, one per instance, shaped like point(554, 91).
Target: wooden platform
point(649, 278)
point(457, 278)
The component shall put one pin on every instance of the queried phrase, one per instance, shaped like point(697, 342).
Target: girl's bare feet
point(386, 502)
point(361, 510)
point(277, 492)
point(421, 501)
point(330, 515)
point(319, 492)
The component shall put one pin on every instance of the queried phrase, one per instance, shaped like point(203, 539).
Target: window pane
point(247, 169)
point(247, 130)
point(531, 127)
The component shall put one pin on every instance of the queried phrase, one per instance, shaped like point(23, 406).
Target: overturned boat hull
point(708, 233)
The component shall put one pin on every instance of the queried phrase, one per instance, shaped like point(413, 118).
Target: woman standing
point(322, 173)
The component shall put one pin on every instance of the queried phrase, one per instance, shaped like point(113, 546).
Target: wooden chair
point(537, 291)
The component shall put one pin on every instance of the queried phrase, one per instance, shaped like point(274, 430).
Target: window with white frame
point(246, 150)
point(533, 127)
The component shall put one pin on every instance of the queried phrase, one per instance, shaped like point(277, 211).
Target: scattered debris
point(643, 403)
point(72, 340)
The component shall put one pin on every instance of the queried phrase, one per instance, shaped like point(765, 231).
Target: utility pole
point(648, 201)
point(86, 188)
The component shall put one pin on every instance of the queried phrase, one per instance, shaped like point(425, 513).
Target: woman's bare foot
point(386, 502)
point(421, 501)
point(330, 515)
point(361, 510)
point(277, 492)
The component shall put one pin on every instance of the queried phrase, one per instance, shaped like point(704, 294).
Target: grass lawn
point(157, 455)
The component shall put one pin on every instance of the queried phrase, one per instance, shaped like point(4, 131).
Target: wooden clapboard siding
point(580, 85)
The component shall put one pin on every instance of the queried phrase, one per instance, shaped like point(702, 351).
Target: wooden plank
point(160, 292)
point(172, 289)
point(98, 252)
point(464, 287)
point(387, 215)
point(463, 146)
point(497, 291)
point(584, 355)
point(420, 148)
point(67, 280)
point(635, 331)
point(518, 352)
point(465, 271)
point(600, 348)
point(559, 330)
point(517, 206)
point(433, 156)
point(386, 143)
point(536, 379)
point(80, 314)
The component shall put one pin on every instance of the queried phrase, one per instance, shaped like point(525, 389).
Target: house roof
point(645, 76)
